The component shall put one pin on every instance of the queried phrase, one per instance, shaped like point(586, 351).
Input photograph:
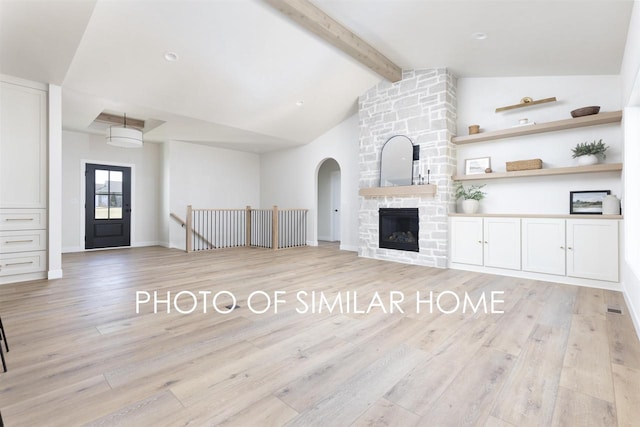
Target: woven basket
point(524, 165)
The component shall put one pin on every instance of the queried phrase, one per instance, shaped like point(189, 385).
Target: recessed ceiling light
point(300, 103)
point(171, 56)
point(479, 36)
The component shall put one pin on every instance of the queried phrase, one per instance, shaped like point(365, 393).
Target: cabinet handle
point(18, 263)
point(18, 241)
point(479, 241)
point(561, 247)
point(486, 243)
point(19, 219)
point(570, 248)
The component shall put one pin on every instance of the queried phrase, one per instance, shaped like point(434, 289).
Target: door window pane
point(102, 181)
point(115, 194)
point(115, 206)
point(101, 206)
point(115, 182)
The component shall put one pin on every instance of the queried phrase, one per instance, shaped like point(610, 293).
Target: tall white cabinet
point(23, 181)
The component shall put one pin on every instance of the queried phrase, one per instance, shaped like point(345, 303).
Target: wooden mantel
point(399, 191)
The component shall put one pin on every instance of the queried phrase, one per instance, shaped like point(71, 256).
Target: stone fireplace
point(421, 106)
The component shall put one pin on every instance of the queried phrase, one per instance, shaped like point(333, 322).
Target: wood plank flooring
point(81, 355)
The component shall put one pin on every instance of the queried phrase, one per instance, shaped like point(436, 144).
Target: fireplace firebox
point(398, 229)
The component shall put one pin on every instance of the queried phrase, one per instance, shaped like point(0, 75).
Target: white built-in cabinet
point(502, 243)
point(467, 240)
point(565, 247)
point(490, 242)
point(23, 181)
point(592, 249)
point(544, 246)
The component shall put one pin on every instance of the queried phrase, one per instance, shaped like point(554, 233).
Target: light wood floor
point(81, 355)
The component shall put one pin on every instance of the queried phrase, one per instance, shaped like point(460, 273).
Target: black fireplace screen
point(398, 229)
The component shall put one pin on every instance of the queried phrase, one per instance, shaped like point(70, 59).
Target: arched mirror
point(396, 162)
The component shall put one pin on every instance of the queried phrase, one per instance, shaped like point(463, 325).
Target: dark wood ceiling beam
point(315, 20)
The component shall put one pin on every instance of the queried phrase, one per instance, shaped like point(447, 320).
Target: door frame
point(83, 197)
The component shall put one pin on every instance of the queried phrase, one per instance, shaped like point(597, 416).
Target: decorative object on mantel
point(474, 129)
point(488, 170)
point(526, 102)
point(589, 153)
point(475, 166)
point(396, 161)
point(470, 197)
point(611, 205)
point(585, 111)
point(524, 165)
point(587, 202)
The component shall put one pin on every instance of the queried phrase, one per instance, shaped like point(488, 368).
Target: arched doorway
point(329, 201)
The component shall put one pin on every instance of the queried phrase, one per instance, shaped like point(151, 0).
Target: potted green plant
point(588, 153)
point(470, 197)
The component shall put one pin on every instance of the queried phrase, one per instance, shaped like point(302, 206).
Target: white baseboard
point(566, 280)
point(27, 277)
point(145, 244)
point(54, 274)
point(312, 243)
point(72, 249)
point(633, 313)
point(351, 248)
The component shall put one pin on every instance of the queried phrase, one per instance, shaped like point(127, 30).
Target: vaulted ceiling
point(243, 68)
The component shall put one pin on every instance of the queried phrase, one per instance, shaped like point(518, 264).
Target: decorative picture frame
point(587, 202)
point(476, 166)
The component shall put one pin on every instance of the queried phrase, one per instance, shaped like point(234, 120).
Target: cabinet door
point(592, 249)
point(543, 245)
point(23, 147)
point(502, 243)
point(466, 240)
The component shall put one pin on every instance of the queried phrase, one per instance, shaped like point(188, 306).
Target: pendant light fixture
point(122, 136)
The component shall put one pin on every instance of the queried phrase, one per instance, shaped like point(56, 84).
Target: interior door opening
point(107, 206)
point(329, 202)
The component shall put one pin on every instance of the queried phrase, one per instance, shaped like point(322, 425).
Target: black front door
point(108, 206)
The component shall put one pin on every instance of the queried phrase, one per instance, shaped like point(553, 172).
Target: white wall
point(289, 179)
point(77, 147)
point(477, 101)
point(630, 74)
point(207, 177)
point(631, 61)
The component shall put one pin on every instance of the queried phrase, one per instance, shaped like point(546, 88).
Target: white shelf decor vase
point(610, 205)
point(587, 160)
point(470, 206)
